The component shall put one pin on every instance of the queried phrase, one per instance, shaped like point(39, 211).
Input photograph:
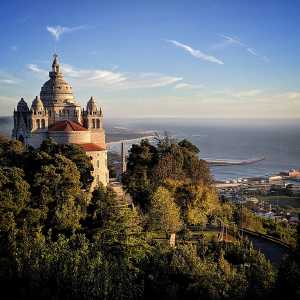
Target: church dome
point(22, 106)
point(91, 105)
point(56, 89)
point(37, 104)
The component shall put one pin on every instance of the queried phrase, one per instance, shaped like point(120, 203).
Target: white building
point(57, 115)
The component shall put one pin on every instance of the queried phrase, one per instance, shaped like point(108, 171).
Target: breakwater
point(232, 162)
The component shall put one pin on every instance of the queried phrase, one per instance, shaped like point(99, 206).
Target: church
point(57, 115)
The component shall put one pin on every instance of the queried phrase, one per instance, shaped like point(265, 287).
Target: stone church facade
point(57, 115)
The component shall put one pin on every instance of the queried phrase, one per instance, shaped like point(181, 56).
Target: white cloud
point(229, 40)
point(90, 76)
point(8, 79)
point(111, 78)
point(187, 86)
point(35, 68)
point(196, 53)
point(151, 80)
point(58, 30)
point(247, 93)
point(252, 51)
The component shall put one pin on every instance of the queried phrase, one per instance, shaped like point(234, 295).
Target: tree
point(10, 152)
point(14, 191)
point(151, 166)
point(189, 146)
point(56, 190)
point(180, 273)
point(164, 215)
point(137, 179)
point(288, 281)
point(14, 197)
point(196, 201)
point(75, 154)
point(100, 209)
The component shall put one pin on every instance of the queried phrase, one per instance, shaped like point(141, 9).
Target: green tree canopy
point(57, 191)
point(75, 154)
point(164, 214)
point(151, 166)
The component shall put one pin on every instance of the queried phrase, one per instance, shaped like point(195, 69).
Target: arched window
point(43, 123)
point(98, 164)
point(38, 124)
point(98, 123)
point(94, 123)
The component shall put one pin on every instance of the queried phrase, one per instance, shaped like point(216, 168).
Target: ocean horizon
point(278, 141)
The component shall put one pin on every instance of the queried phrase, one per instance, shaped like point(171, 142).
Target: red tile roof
point(66, 125)
point(90, 147)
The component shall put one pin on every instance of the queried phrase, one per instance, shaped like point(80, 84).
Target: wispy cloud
point(8, 79)
point(187, 86)
point(58, 31)
point(35, 68)
point(227, 41)
point(151, 80)
point(111, 78)
point(196, 52)
point(247, 93)
point(234, 41)
point(93, 76)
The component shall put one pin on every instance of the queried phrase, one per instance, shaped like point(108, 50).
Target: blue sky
point(218, 59)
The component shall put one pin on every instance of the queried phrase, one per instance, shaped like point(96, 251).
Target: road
point(273, 251)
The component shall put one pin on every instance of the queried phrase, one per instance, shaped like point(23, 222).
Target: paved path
point(121, 193)
point(273, 251)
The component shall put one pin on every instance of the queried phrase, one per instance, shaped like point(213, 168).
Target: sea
point(277, 141)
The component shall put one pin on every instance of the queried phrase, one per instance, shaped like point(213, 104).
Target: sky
point(147, 59)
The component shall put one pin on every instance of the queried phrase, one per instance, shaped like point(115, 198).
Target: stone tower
point(39, 115)
point(93, 120)
point(22, 122)
point(123, 158)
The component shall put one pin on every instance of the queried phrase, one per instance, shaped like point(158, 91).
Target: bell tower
point(93, 121)
point(39, 115)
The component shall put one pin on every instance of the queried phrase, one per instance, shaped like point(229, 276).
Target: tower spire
point(55, 64)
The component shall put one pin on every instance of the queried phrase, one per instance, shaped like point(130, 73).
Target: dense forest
point(59, 241)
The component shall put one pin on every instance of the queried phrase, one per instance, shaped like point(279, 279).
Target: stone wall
point(100, 173)
point(98, 137)
point(70, 137)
